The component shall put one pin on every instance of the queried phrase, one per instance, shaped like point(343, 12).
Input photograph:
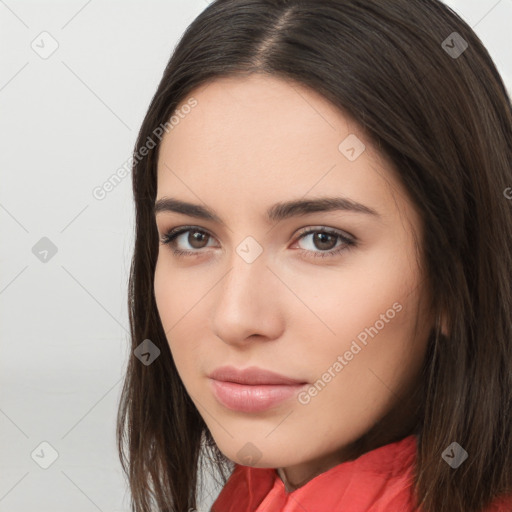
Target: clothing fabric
point(377, 481)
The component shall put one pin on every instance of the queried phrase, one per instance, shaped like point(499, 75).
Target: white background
point(67, 123)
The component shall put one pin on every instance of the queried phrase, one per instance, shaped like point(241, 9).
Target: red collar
point(377, 481)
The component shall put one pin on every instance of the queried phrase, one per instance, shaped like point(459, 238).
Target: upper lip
point(252, 375)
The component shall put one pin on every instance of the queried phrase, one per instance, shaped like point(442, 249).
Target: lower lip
point(244, 398)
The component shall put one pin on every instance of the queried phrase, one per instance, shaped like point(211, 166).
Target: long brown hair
point(434, 104)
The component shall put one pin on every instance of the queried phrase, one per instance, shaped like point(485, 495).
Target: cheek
point(178, 304)
point(366, 312)
point(344, 302)
point(175, 293)
point(374, 354)
point(354, 382)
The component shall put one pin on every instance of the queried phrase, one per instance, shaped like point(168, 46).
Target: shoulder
point(501, 503)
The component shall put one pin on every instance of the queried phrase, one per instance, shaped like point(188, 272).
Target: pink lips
point(252, 389)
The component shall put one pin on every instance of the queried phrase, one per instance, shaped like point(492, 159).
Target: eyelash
point(169, 237)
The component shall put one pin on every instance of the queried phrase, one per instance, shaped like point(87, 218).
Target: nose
point(247, 303)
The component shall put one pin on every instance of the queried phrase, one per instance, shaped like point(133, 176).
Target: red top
point(377, 481)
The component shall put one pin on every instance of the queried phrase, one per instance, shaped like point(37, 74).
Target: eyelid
point(327, 229)
point(306, 230)
point(348, 241)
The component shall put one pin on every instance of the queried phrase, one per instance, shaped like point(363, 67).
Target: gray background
point(68, 121)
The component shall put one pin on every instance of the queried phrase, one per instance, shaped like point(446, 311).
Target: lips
point(252, 389)
point(252, 376)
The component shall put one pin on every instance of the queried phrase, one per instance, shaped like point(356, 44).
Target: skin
point(249, 143)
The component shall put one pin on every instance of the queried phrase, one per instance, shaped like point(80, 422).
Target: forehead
point(237, 117)
point(259, 139)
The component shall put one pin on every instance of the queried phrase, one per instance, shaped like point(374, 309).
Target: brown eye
point(195, 240)
point(324, 242)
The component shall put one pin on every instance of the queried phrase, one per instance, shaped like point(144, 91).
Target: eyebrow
point(276, 213)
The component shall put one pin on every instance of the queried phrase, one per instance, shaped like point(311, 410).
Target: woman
point(320, 294)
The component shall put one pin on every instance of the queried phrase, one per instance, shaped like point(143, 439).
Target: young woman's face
point(257, 292)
